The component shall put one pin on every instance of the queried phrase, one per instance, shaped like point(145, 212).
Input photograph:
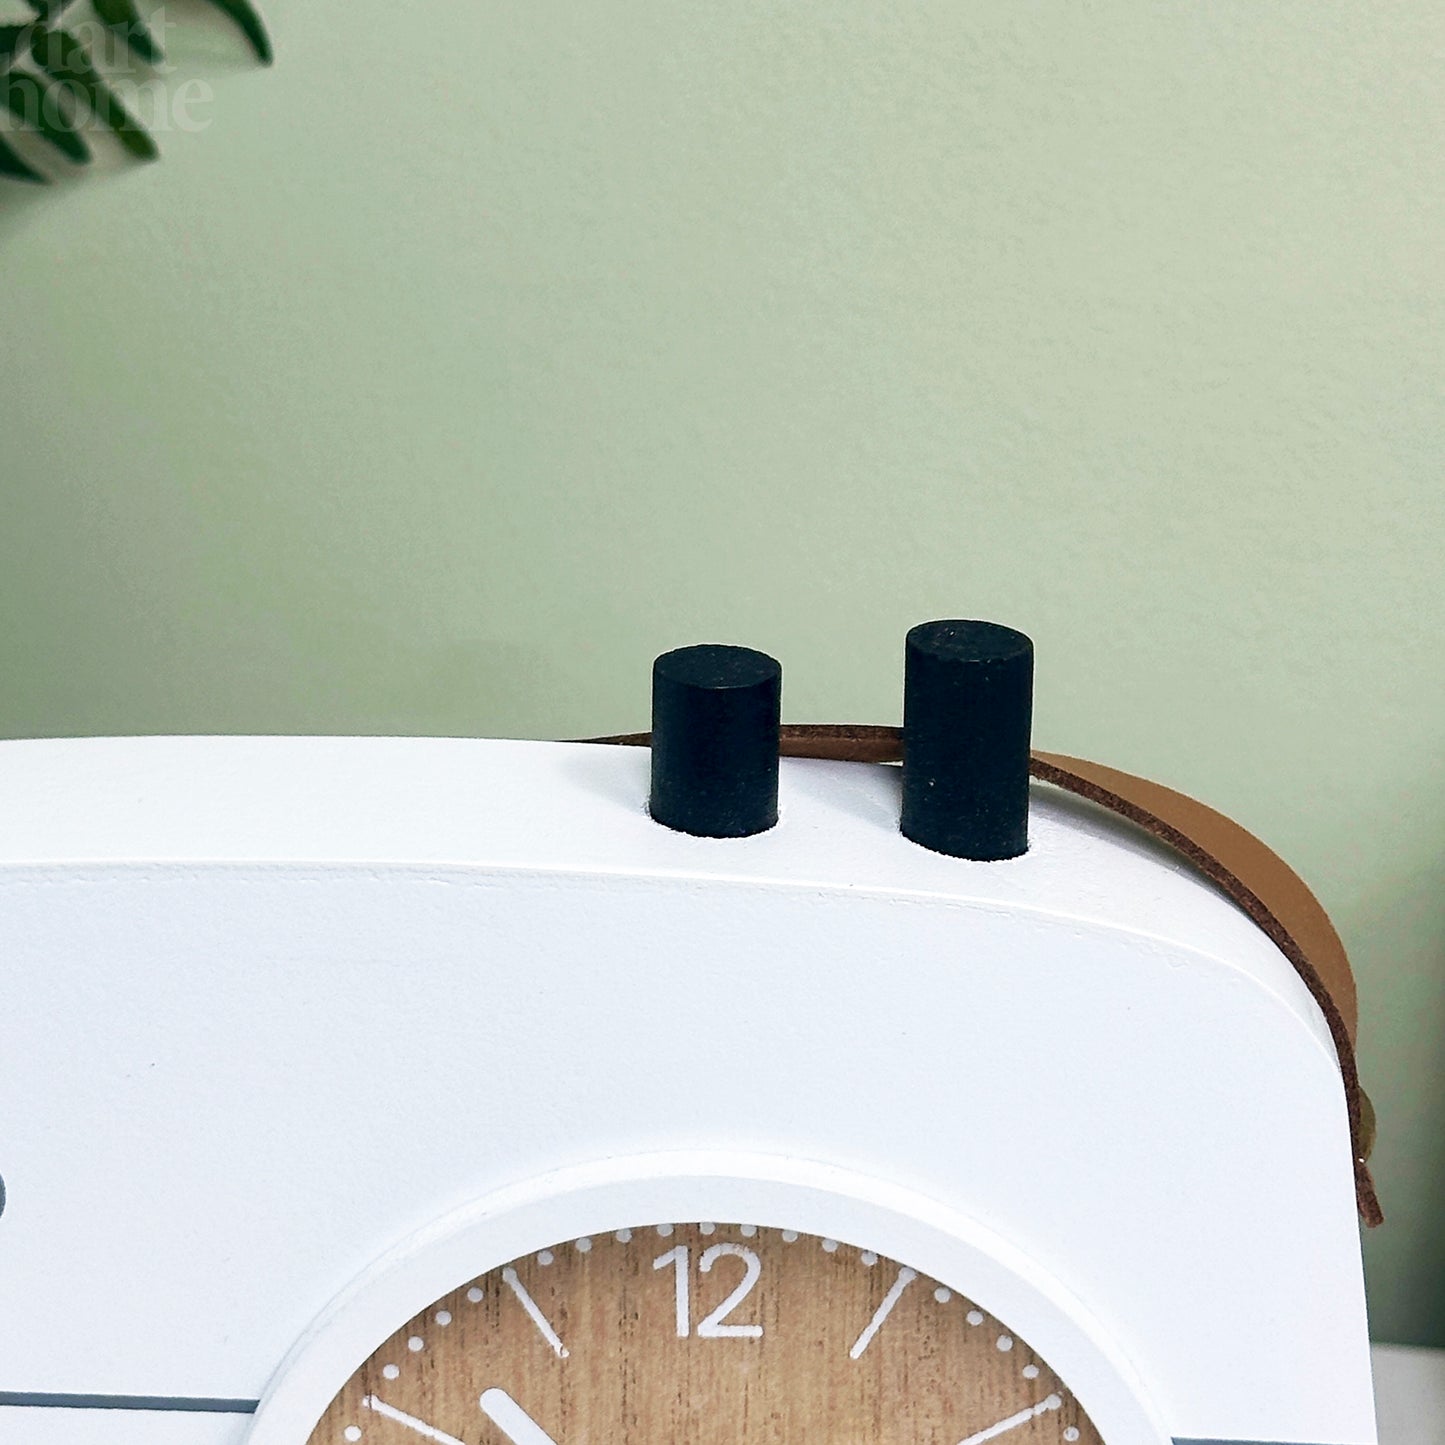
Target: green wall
point(477, 354)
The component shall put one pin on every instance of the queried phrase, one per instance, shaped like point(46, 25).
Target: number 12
point(712, 1328)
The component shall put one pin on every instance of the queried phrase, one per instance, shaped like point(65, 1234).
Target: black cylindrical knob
point(967, 710)
point(715, 714)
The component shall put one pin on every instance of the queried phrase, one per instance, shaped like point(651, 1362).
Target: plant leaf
point(62, 57)
point(47, 110)
point(12, 37)
point(122, 18)
point(12, 165)
point(245, 15)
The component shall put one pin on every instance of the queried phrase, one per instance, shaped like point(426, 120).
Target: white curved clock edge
point(613, 1194)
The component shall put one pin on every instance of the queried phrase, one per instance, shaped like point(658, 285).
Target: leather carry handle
point(1246, 869)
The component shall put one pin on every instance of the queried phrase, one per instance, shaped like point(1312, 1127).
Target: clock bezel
point(613, 1194)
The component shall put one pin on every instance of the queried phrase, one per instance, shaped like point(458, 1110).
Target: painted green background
point(478, 353)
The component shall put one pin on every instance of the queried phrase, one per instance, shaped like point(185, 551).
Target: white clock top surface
point(272, 1008)
point(444, 803)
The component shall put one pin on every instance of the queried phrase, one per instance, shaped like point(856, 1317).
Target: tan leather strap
point(1251, 873)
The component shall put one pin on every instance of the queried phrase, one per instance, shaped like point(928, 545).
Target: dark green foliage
point(12, 39)
point(244, 14)
point(67, 62)
point(48, 9)
point(47, 110)
point(124, 19)
point(13, 166)
point(65, 88)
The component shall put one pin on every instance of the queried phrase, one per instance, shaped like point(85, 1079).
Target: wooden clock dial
point(704, 1335)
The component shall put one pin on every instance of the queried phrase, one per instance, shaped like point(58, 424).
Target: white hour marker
point(509, 1278)
point(906, 1277)
point(1053, 1402)
point(715, 1326)
point(682, 1301)
point(512, 1420)
point(420, 1427)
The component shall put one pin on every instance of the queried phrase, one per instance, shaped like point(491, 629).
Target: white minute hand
point(512, 1420)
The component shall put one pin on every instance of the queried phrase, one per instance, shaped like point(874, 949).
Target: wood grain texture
point(938, 1371)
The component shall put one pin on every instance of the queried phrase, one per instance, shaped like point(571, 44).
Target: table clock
point(519, 1093)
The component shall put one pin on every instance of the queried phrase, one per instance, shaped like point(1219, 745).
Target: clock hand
point(390, 1412)
point(1052, 1402)
point(512, 1420)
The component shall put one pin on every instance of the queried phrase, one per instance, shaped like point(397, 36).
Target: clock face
point(704, 1334)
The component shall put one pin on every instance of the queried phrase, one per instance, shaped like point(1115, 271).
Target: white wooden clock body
point(295, 1034)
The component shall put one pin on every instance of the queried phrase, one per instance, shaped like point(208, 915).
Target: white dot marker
point(1071, 1434)
point(444, 1318)
point(390, 1372)
point(975, 1317)
point(1005, 1343)
point(546, 1257)
point(868, 1259)
point(623, 1236)
point(475, 1295)
point(584, 1245)
point(830, 1246)
point(748, 1230)
point(416, 1344)
point(942, 1295)
point(790, 1236)
point(708, 1227)
point(352, 1432)
point(664, 1230)
point(1031, 1372)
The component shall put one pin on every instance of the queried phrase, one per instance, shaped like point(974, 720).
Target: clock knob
point(967, 709)
point(715, 717)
